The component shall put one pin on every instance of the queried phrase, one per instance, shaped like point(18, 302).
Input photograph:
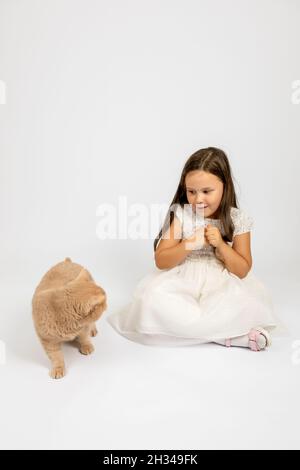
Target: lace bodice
point(190, 222)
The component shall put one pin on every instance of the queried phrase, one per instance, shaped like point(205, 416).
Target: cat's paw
point(94, 331)
point(58, 372)
point(86, 349)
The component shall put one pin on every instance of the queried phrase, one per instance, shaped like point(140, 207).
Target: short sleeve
point(242, 221)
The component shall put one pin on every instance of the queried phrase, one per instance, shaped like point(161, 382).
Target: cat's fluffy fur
point(65, 306)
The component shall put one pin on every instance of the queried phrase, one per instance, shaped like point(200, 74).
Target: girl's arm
point(237, 259)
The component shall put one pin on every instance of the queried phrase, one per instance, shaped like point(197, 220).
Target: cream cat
point(65, 306)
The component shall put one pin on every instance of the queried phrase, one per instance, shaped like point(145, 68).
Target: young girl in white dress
point(202, 288)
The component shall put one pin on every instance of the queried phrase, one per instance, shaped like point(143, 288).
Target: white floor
point(130, 396)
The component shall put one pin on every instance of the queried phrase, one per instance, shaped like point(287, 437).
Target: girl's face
point(204, 189)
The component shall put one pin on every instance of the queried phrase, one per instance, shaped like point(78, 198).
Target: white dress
point(197, 301)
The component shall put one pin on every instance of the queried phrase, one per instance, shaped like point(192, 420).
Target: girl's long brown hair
point(211, 160)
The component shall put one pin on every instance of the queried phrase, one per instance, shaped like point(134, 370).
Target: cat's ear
point(83, 276)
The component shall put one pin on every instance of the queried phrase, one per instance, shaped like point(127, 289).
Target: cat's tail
point(68, 260)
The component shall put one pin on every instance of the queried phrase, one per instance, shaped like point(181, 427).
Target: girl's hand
point(213, 236)
point(197, 240)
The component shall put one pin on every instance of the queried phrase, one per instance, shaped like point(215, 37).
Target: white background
point(109, 98)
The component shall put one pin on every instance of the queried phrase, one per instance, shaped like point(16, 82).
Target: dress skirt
point(197, 301)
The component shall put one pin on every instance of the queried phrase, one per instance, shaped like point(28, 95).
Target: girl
point(202, 289)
